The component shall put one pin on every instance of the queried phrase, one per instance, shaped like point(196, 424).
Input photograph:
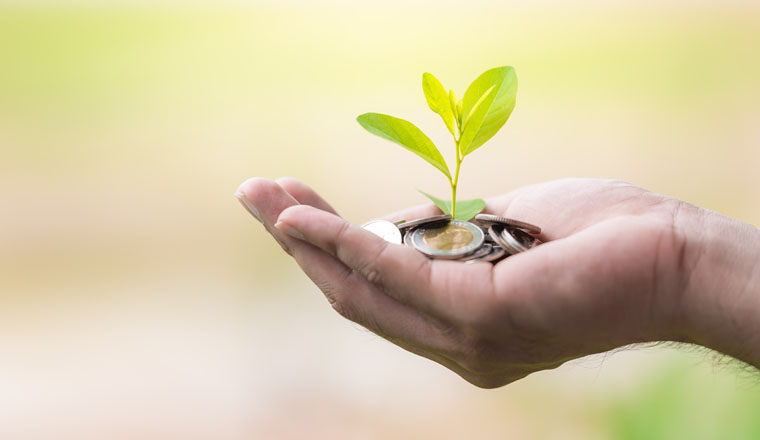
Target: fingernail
point(248, 205)
point(286, 228)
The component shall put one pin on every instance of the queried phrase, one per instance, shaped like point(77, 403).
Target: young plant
point(472, 121)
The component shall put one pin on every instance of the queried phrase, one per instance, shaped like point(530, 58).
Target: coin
point(491, 238)
point(496, 254)
point(452, 241)
point(385, 230)
point(489, 219)
point(408, 239)
point(482, 251)
point(439, 220)
point(496, 236)
point(520, 240)
point(513, 240)
point(447, 238)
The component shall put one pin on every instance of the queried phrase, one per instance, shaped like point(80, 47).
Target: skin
point(619, 265)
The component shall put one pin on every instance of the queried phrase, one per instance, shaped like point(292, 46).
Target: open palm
point(607, 275)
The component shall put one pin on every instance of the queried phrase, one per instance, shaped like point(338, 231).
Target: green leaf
point(443, 205)
point(466, 209)
point(504, 82)
point(474, 120)
point(438, 100)
point(405, 134)
point(453, 101)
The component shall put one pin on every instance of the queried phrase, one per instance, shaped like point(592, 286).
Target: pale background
point(139, 300)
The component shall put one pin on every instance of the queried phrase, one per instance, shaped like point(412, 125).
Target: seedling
point(472, 121)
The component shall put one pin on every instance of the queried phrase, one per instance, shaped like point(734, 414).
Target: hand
point(616, 268)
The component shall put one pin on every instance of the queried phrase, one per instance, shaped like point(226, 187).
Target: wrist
point(720, 302)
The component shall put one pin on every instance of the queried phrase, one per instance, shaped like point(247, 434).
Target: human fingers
point(519, 205)
point(437, 287)
point(565, 206)
point(304, 194)
point(351, 295)
point(264, 200)
point(354, 298)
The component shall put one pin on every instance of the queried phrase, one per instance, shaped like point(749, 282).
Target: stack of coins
point(489, 238)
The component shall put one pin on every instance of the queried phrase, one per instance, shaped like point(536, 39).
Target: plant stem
point(453, 200)
point(454, 185)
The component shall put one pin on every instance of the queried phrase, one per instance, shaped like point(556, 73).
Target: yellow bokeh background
point(139, 300)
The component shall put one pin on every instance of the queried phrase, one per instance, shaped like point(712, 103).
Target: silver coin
point(513, 240)
point(489, 239)
point(496, 254)
point(522, 240)
point(452, 241)
point(436, 220)
point(482, 251)
point(512, 246)
point(495, 233)
point(384, 229)
point(408, 238)
point(489, 219)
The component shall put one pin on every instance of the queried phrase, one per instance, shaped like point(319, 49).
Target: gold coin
point(448, 237)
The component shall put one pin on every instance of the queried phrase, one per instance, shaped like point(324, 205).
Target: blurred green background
point(139, 300)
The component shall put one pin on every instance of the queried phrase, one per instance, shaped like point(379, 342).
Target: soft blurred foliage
point(138, 299)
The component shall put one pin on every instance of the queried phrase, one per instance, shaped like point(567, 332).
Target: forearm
point(720, 306)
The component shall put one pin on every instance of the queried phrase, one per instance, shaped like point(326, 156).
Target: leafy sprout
point(472, 121)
